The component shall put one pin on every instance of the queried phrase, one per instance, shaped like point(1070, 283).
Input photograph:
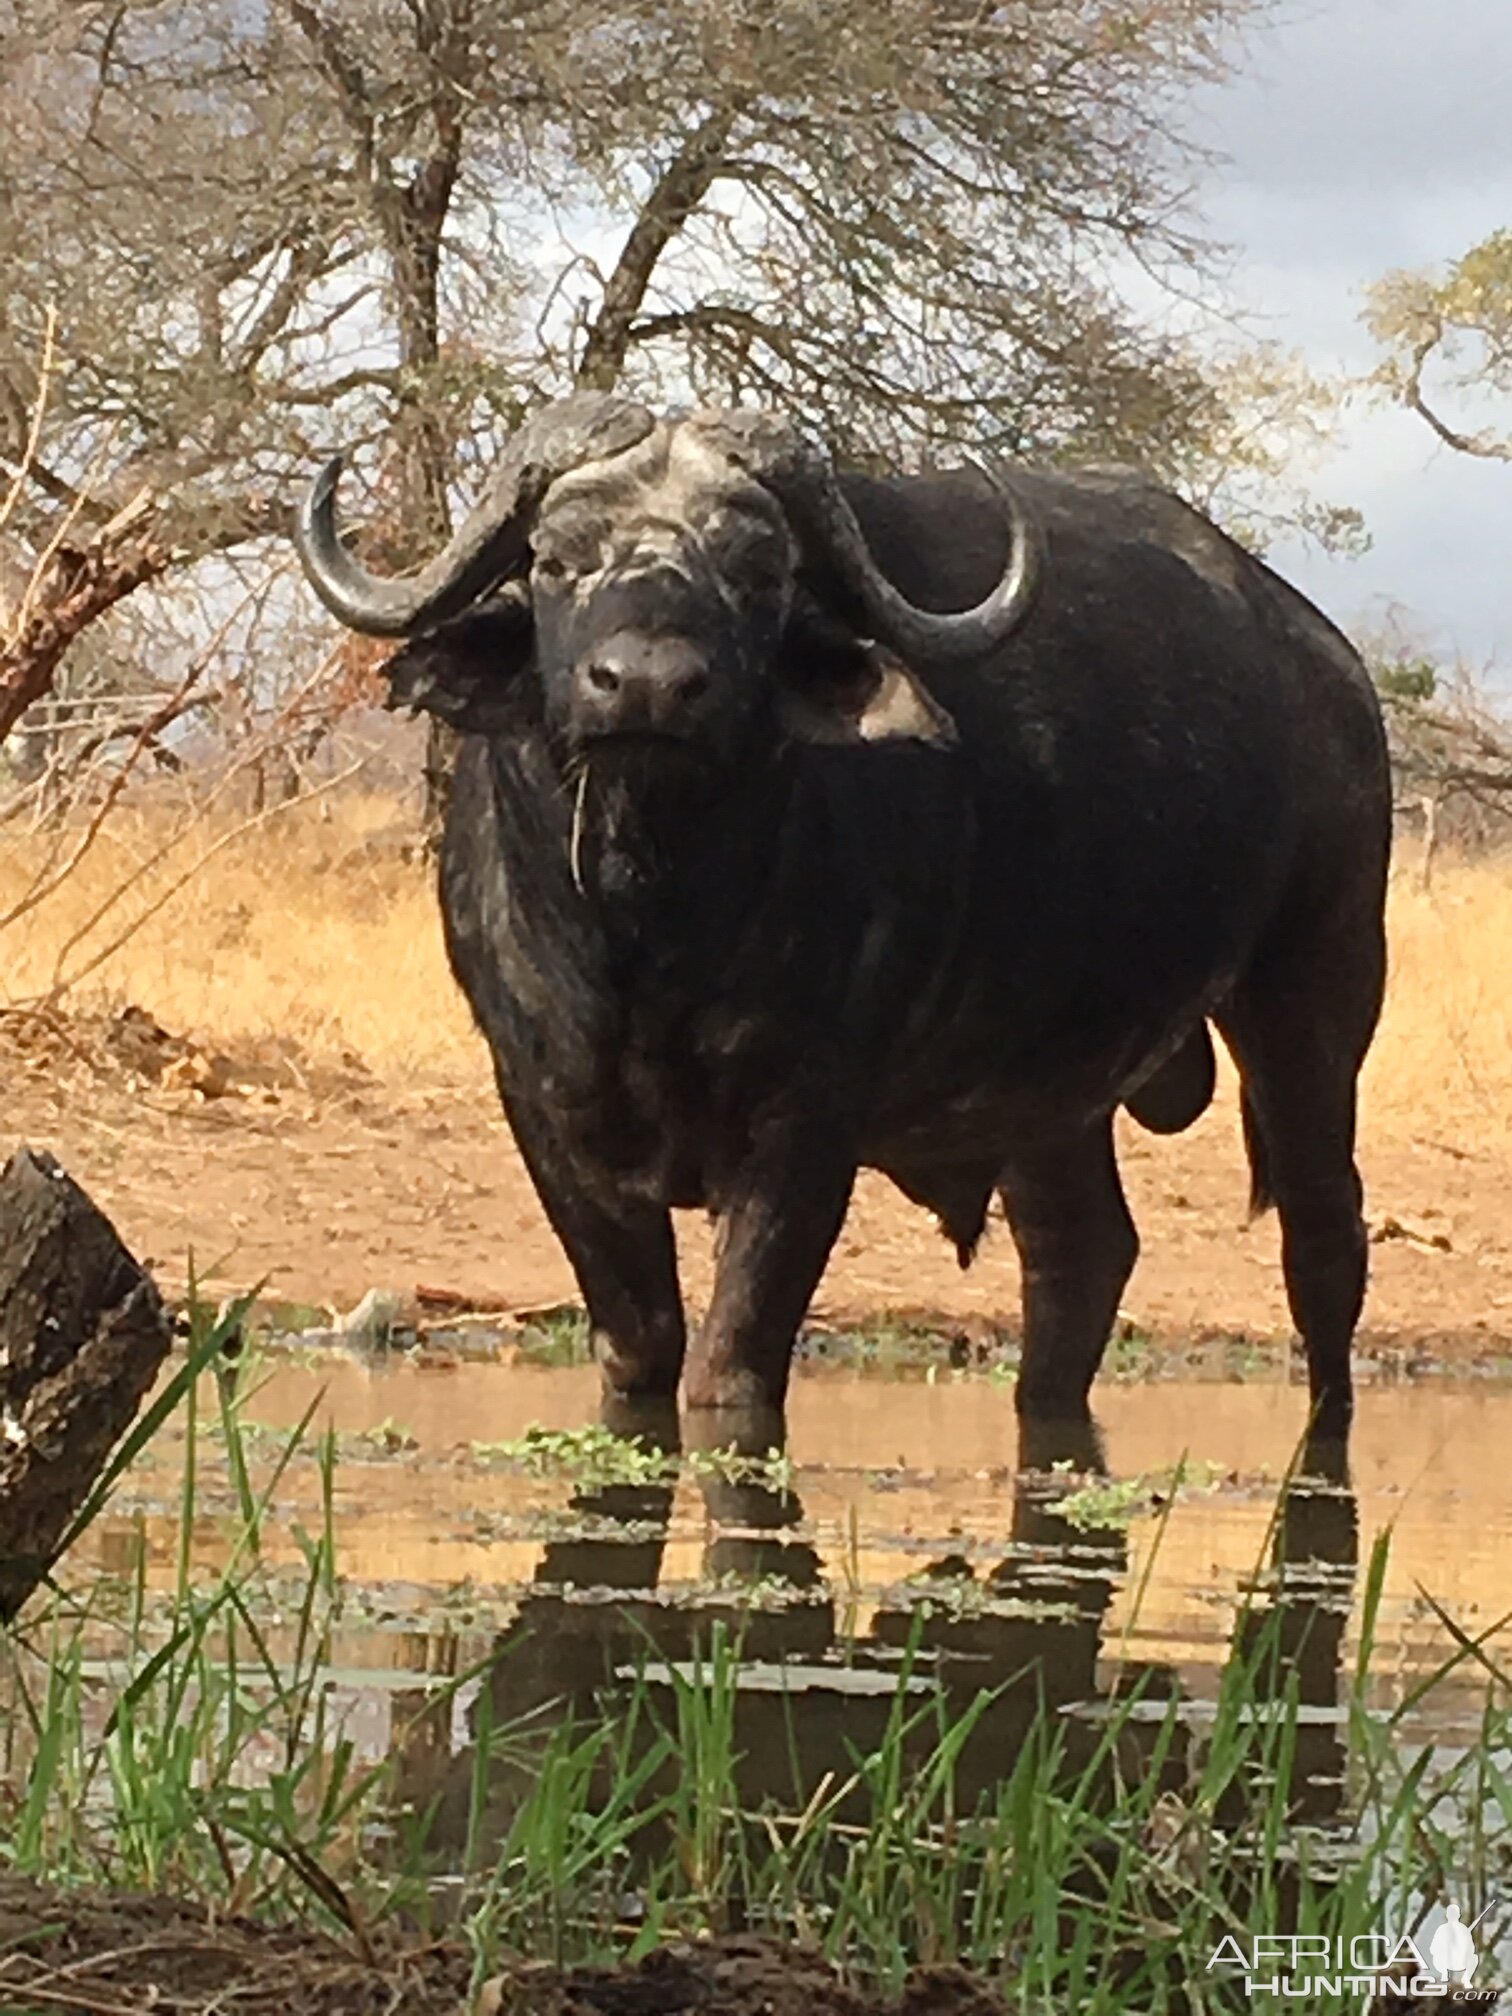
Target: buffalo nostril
point(604, 677)
point(693, 685)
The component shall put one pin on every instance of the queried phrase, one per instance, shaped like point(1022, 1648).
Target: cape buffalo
point(808, 820)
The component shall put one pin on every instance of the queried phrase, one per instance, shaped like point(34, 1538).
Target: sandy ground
point(324, 1182)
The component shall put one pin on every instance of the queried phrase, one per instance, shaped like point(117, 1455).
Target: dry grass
point(316, 927)
point(312, 926)
point(1442, 1063)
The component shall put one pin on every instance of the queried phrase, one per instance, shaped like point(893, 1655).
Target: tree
point(233, 237)
point(1451, 749)
point(1448, 336)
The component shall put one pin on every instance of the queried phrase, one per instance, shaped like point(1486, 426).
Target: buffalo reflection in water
point(812, 1693)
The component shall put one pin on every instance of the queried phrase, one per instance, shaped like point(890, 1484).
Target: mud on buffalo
point(808, 820)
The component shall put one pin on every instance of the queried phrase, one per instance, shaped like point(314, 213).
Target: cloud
point(1370, 134)
point(1358, 97)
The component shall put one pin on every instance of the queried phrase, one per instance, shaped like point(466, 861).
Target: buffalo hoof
point(732, 1390)
point(1050, 1405)
point(1325, 1459)
point(755, 1431)
point(641, 1417)
point(1043, 1444)
point(635, 1376)
point(1332, 1415)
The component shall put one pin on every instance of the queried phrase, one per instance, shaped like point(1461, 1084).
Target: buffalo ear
point(465, 672)
point(844, 688)
point(901, 707)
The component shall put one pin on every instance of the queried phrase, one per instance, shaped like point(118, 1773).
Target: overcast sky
point(1371, 134)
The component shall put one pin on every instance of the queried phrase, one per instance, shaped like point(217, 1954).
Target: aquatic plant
point(1113, 1503)
point(595, 1457)
point(203, 1751)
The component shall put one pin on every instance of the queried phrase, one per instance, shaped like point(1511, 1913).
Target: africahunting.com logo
point(1305, 1967)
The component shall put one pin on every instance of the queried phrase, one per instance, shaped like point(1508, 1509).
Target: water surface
point(903, 1507)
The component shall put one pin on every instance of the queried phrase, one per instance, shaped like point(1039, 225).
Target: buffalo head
point(673, 582)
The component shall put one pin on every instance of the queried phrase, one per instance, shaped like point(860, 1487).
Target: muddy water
point(909, 1508)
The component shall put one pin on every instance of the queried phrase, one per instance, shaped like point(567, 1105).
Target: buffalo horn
point(803, 478)
point(491, 542)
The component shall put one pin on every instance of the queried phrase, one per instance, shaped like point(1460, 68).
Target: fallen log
point(83, 1334)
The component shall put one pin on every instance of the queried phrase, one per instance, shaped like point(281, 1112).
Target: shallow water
point(901, 1494)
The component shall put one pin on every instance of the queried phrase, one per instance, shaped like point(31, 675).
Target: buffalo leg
point(1309, 1143)
point(625, 1261)
point(1077, 1247)
point(1299, 1028)
point(776, 1229)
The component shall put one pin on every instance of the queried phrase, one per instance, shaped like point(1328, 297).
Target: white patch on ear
point(893, 706)
point(901, 708)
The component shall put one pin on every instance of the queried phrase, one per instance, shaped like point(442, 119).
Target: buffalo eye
point(565, 553)
point(755, 553)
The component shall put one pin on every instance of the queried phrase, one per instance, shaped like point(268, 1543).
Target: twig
point(34, 428)
point(249, 759)
point(168, 712)
point(62, 984)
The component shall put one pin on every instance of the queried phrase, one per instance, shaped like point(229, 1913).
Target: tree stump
point(83, 1333)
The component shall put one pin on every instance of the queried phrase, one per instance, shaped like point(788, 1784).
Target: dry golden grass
point(309, 926)
point(313, 926)
point(1442, 1063)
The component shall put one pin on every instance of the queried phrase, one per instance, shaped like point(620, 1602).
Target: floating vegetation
point(608, 1768)
point(596, 1456)
point(1113, 1504)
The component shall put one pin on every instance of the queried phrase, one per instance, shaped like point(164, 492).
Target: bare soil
point(124, 1953)
point(322, 1181)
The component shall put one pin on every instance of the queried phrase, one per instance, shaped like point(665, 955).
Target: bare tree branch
point(345, 223)
point(1458, 321)
point(676, 194)
point(1413, 396)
